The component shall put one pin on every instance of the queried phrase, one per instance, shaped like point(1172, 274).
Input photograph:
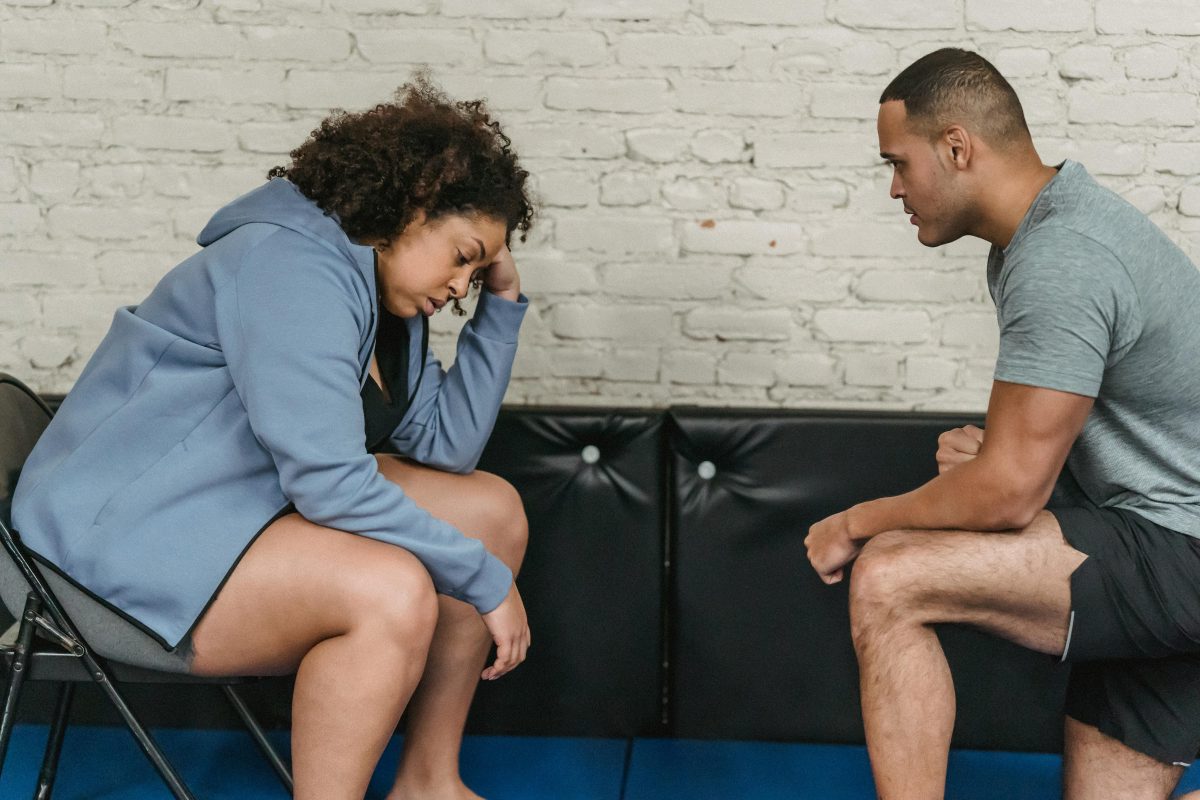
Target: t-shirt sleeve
point(1067, 309)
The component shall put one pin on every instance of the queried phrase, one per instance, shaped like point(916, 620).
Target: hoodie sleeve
point(452, 415)
point(290, 323)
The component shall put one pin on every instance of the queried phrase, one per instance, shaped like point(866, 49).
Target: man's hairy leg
point(1013, 584)
point(1096, 765)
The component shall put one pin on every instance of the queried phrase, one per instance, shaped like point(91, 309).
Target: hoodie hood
point(280, 202)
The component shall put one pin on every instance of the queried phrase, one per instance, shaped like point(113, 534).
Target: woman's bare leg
point(488, 508)
point(352, 616)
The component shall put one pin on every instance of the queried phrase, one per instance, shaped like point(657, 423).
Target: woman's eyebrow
point(482, 249)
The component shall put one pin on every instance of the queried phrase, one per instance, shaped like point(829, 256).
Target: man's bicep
point(1030, 431)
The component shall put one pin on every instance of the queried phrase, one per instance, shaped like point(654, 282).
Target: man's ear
point(959, 145)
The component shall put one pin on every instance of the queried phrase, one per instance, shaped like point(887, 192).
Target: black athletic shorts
point(1134, 633)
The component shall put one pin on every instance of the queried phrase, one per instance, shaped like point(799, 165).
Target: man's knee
point(880, 570)
point(881, 582)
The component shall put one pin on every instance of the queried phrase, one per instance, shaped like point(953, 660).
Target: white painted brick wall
point(714, 225)
point(806, 369)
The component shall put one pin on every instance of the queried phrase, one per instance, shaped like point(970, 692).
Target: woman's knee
point(503, 525)
point(393, 595)
point(480, 504)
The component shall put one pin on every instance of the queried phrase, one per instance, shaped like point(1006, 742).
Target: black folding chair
point(48, 647)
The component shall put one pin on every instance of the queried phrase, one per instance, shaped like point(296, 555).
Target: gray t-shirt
point(1092, 298)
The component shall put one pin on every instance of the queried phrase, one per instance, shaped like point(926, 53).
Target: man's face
point(923, 178)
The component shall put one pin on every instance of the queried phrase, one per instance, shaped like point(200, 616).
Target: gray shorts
point(107, 632)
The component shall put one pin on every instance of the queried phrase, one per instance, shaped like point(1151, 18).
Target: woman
point(208, 484)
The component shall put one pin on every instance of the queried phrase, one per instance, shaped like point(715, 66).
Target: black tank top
point(392, 348)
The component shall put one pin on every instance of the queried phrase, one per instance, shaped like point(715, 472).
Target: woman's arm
point(290, 324)
point(452, 415)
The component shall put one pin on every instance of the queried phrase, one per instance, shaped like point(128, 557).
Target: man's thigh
point(1101, 587)
point(1013, 584)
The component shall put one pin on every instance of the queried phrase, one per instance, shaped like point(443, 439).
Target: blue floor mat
point(104, 763)
point(529, 767)
point(667, 769)
point(674, 769)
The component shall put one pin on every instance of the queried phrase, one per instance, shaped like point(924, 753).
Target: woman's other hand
point(509, 628)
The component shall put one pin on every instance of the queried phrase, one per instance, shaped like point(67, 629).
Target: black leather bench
point(668, 590)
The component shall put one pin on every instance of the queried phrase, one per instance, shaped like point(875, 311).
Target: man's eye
point(462, 260)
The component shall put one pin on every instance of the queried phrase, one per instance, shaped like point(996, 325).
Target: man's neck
point(1008, 200)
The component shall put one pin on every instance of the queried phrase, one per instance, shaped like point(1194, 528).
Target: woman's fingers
point(510, 631)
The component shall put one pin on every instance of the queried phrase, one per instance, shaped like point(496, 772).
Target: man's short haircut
point(951, 86)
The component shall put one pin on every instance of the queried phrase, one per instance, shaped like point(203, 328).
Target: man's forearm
point(973, 496)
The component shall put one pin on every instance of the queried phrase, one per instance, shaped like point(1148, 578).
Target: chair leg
point(16, 676)
point(165, 769)
point(260, 738)
point(62, 711)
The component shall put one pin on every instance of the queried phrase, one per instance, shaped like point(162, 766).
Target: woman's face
point(432, 261)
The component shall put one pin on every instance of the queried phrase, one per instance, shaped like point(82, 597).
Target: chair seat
point(49, 662)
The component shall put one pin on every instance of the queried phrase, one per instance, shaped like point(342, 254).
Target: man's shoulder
point(1059, 243)
point(1061, 267)
point(1079, 212)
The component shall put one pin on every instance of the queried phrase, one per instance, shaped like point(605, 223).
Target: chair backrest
point(23, 417)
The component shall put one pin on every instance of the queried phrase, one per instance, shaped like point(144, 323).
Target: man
point(1098, 370)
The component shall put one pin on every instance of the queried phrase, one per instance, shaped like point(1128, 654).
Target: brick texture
point(713, 226)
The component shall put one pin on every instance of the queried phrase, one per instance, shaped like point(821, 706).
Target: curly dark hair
point(375, 170)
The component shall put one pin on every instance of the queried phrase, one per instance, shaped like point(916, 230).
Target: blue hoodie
point(231, 392)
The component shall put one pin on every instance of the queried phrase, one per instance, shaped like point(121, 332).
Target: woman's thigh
point(300, 583)
point(479, 504)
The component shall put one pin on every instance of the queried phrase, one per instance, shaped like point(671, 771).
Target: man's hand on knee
point(830, 547)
